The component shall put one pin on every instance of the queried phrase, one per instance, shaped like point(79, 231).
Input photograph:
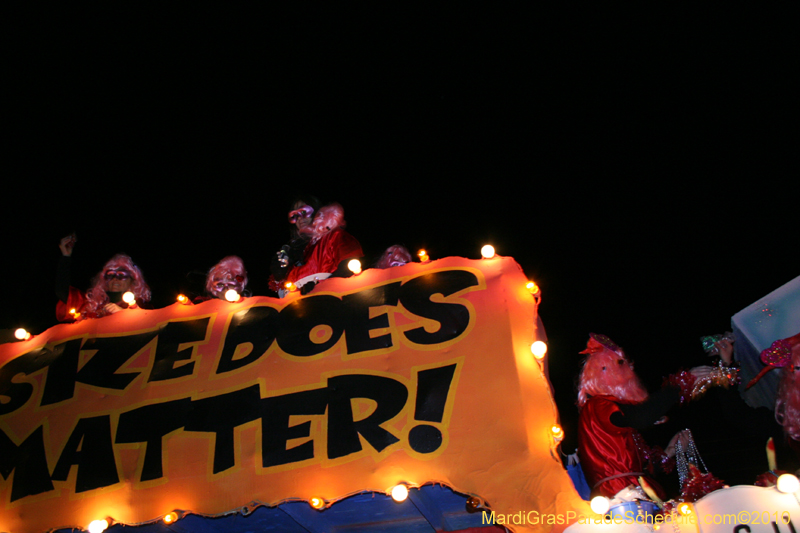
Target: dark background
point(640, 165)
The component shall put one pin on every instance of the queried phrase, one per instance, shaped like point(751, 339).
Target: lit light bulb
point(557, 432)
point(231, 295)
point(355, 266)
point(787, 483)
point(538, 349)
point(399, 493)
point(183, 299)
point(423, 256)
point(98, 526)
point(532, 287)
point(685, 509)
point(473, 503)
point(129, 298)
point(74, 312)
point(317, 503)
point(22, 334)
point(289, 286)
point(600, 504)
point(170, 518)
point(487, 251)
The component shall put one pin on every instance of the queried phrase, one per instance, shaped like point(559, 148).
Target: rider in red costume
point(330, 244)
point(614, 406)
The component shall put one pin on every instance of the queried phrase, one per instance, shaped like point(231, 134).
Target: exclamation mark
point(433, 387)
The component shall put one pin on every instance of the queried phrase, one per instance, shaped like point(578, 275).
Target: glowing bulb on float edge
point(787, 483)
point(231, 295)
point(129, 298)
point(473, 503)
point(182, 298)
point(539, 349)
point(169, 518)
point(22, 334)
point(423, 256)
point(600, 504)
point(557, 432)
point(532, 287)
point(355, 266)
point(487, 251)
point(399, 493)
point(685, 509)
point(97, 526)
point(317, 503)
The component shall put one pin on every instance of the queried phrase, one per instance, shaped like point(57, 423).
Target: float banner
point(416, 374)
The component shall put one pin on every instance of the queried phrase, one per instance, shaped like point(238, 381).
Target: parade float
point(414, 398)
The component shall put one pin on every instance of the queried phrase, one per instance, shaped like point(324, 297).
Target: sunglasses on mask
point(121, 275)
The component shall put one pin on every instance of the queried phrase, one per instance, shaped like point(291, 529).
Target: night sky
point(641, 167)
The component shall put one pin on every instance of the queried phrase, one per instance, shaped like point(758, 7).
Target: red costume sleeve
point(75, 300)
point(326, 254)
point(337, 246)
point(607, 451)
